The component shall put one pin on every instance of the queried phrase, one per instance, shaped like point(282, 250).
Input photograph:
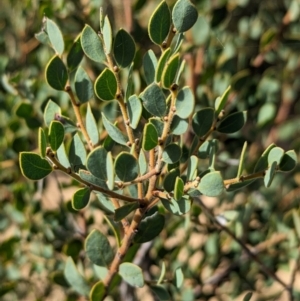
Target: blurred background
point(254, 45)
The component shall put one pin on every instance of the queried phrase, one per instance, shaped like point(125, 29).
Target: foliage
point(143, 158)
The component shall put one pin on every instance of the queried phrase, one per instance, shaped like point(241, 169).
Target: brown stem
point(253, 176)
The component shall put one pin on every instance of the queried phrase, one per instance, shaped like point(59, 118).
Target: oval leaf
point(169, 72)
point(288, 162)
point(33, 166)
point(135, 109)
point(98, 291)
point(56, 135)
point(96, 163)
point(52, 112)
point(124, 48)
point(178, 189)
point(55, 36)
point(185, 102)
point(172, 153)
point(232, 123)
point(42, 143)
point(75, 54)
point(203, 121)
point(180, 207)
point(123, 211)
point(159, 23)
point(126, 167)
point(132, 274)
point(77, 153)
point(56, 73)
point(275, 155)
point(211, 184)
point(106, 85)
point(170, 179)
point(98, 249)
point(150, 137)
point(107, 35)
point(149, 66)
point(91, 126)
point(83, 86)
point(81, 198)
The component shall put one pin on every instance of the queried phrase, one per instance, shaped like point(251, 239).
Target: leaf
point(170, 71)
point(126, 167)
point(192, 168)
point(162, 273)
point(135, 109)
point(242, 159)
point(184, 15)
point(142, 162)
point(221, 101)
point(91, 126)
point(76, 281)
point(130, 83)
point(179, 126)
point(98, 249)
point(270, 173)
point(124, 48)
point(56, 134)
point(159, 23)
point(202, 121)
point(42, 143)
point(83, 85)
point(149, 228)
point(114, 132)
point(24, 110)
point(132, 274)
point(96, 163)
point(75, 54)
point(288, 161)
point(92, 45)
point(98, 291)
point(262, 163)
point(123, 211)
point(232, 123)
point(56, 74)
point(248, 296)
point(266, 114)
point(81, 198)
point(158, 124)
point(62, 156)
point(154, 100)
point(106, 85)
point(178, 278)
point(185, 102)
point(211, 184)
point(33, 166)
point(180, 207)
point(170, 179)
point(52, 110)
point(161, 64)
point(77, 153)
point(110, 171)
point(160, 292)
point(107, 35)
point(275, 155)
point(149, 66)
point(105, 204)
point(150, 137)
point(239, 185)
point(55, 36)
point(172, 153)
point(178, 189)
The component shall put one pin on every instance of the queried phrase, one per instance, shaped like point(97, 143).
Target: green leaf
point(185, 102)
point(202, 121)
point(288, 161)
point(98, 249)
point(87, 176)
point(178, 189)
point(170, 179)
point(91, 126)
point(107, 35)
point(43, 38)
point(75, 279)
point(266, 114)
point(105, 204)
point(232, 123)
point(81, 198)
point(33, 166)
point(110, 171)
point(106, 85)
point(130, 84)
point(180, 207)
point(77, 153)
point(55, 36)
point(154, 100)
point(239, 185)
point(160, 292)
point(184, 15)
point(270, 173)
point(162, 273)
point(75, 54)
point(96, 163)
point(149, 66)
point(56, 134)
point(211, 184)
point(56, 74)
point(149, 228)
point(159, 23)
point(172, 153)
point(221, 101)
point(248, 296)
point(150, 137)
point(132, 274)
point(124, 48)
point(52, 111)
point(83, 85)
point(275, 155)
point(179, 126)
point(178, 278)
point(161, 64)
point(262, 163)
point(92, 45)
point(192, 168)
point(170, 71)
point(159, 125)
point(114, 132)
point(135, 109)
point(98, 291)
point(242, 159)
point(62, 156)
point(126, 167)
point(24, 109)
point(123, 211)
point(42, 143)
point(143, 162)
